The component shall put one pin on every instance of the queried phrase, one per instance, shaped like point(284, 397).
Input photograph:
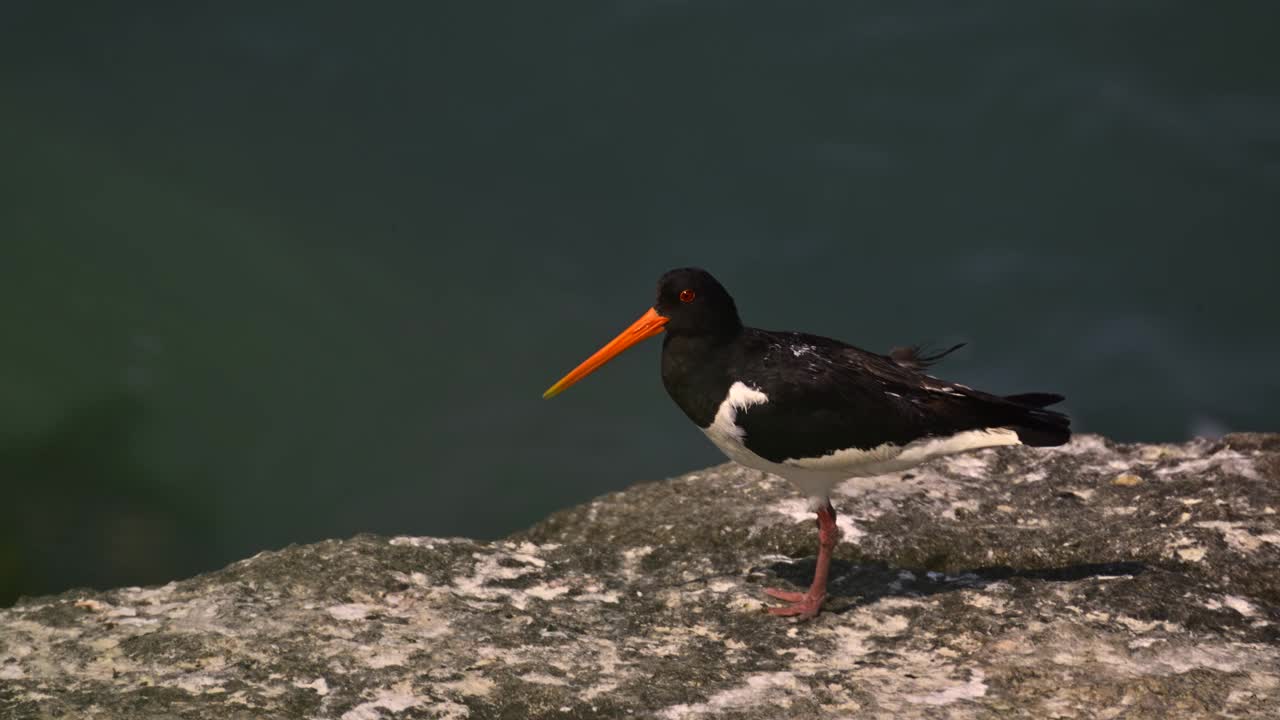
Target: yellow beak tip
point(646, 326)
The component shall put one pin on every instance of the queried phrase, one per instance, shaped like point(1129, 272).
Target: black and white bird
point(813, 410)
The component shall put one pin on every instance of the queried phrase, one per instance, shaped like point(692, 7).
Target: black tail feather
point(1035, 400)
point(1044, 436)
point(1036, 426)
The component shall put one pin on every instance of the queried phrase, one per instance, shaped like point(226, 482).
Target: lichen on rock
point(1014, 582)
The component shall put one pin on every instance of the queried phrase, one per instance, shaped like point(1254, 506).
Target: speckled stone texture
point(1094, 581)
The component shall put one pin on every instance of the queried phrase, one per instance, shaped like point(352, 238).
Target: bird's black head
point(690, 304)
point(696, 304)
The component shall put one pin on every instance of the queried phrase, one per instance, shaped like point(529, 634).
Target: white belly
point(816, 476)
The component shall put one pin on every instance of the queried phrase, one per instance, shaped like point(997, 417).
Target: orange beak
point(647, 326)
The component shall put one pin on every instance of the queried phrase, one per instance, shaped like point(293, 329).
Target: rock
point(1009, 582)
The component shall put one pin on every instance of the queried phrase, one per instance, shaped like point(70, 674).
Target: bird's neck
point(695, 372)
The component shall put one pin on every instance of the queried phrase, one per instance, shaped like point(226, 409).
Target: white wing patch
point(946, 389)
point(724, 430)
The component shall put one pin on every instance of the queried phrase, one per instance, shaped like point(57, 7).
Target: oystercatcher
point(813, 410)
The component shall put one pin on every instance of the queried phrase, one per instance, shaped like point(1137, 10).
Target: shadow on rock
point(854, 585)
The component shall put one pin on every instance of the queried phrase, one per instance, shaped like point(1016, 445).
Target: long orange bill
point(647, 326)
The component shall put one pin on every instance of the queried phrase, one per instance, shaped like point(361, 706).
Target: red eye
point(687, 296)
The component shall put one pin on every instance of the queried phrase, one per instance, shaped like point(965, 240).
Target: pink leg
point(807, 604)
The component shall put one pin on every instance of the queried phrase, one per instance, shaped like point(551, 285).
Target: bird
point(813, 410)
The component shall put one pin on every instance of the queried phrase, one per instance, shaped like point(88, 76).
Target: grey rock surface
point(1095, 580)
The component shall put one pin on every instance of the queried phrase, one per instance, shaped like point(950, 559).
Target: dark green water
point(273, 273)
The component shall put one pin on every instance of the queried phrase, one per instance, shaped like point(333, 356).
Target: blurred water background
point(277, 272)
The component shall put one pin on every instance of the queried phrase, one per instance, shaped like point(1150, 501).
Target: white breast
point(724, 430)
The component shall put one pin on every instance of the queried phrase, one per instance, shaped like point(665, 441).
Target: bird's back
point(825, 396)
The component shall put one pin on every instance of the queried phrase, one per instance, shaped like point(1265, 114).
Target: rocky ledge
point(1095, 580)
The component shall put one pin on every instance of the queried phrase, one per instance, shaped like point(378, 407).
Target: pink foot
point(805, 607)
point(785, 595)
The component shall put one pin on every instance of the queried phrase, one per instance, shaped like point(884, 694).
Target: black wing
point(826, 396)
